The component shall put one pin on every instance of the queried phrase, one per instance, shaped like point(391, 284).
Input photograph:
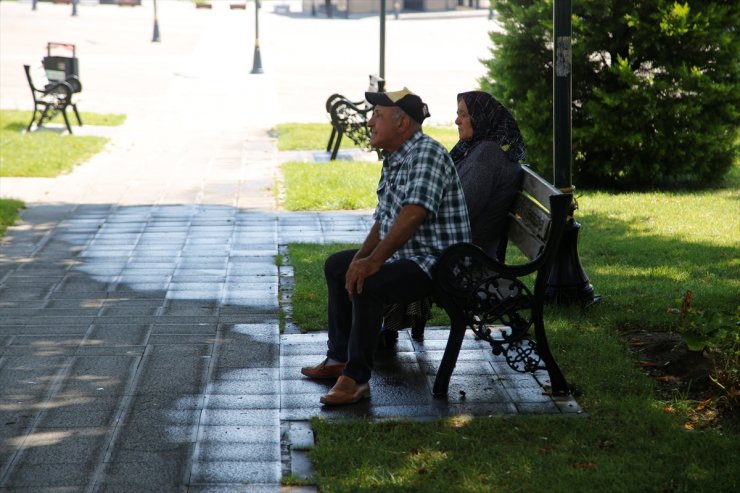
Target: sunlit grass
point(315, 136)
point(330, 186)
point(304, 136)
point(46, 154)
point(9, 210)
point(445, 135)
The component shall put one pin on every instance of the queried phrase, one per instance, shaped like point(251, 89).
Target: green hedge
point(655, 88)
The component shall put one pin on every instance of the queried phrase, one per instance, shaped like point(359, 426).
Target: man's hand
point(358, 271)
point(374, 252)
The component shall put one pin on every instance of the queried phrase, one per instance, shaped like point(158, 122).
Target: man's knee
point(336, 264)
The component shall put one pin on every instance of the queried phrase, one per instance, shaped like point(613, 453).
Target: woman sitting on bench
point(487, 158)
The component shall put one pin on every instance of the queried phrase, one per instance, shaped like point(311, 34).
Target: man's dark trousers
point(354, 326)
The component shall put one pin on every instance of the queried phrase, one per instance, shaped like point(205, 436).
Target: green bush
point(655, 88)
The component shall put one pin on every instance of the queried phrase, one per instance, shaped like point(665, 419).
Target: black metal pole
point(381, 69)
point(155, 36)
point(74, 8)
point(257, 59)
point(562, 95)
point(568, 282)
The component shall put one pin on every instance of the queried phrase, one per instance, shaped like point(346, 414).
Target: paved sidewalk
point(140, 347)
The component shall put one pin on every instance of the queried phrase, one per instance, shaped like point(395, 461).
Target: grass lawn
point(9, 210)
point(334, 185)
point(46, 154)
point(312, 136)
point(329, 186)
point(43, 154)
point(642, 251)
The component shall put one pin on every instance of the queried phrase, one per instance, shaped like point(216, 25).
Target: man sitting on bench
point(421, 211)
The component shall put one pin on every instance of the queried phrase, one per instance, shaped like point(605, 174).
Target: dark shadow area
point(114, 372)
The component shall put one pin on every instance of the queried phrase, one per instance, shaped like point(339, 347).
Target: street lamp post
point(257, 59)
point(568, 282)
point(155, 36)
point(33, 4)
point(381, 69)
point(74, 8)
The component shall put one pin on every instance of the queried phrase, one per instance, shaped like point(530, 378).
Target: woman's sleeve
point(478, 183)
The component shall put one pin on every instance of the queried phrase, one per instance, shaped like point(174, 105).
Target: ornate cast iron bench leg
point(557, 380)
point(449, 359)
point(331, 139)
point(336, 145)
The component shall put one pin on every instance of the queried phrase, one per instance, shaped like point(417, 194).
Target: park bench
point(492, 298)
point(51, 97)
point(350, 118)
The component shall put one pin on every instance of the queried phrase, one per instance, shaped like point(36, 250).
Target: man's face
point(384, 128)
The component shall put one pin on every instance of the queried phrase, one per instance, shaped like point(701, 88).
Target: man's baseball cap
point(409, 102)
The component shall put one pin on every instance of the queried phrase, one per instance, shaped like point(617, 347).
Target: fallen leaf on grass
point(703, 404)
point(648, 364)
point(584, 465)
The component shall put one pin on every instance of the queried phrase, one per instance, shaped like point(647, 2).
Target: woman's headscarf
point(491, 121)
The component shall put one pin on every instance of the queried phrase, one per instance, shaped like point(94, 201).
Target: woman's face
point(464, 125)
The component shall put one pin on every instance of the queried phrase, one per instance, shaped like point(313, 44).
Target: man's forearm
point(371, 241)
point(407, 223)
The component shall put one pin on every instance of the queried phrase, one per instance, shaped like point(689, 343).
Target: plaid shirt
point(421, 172)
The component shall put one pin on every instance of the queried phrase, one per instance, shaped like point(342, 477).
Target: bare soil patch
point(679, 371)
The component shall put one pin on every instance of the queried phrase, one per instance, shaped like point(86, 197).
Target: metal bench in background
point(51, 97)
point(350, 118)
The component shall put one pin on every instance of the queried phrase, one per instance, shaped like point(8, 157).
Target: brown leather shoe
point(323, 370)
point(346, 391)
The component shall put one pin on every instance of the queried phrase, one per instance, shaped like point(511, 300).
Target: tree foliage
point(656, 99)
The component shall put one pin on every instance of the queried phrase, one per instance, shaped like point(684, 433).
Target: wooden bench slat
point(529, 226)
point(537, 187)
point(522, 237)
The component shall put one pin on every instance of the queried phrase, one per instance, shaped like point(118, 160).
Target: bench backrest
point(529, 217)
point(36, 75)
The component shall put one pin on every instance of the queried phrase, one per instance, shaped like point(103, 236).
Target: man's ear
point(403, 122)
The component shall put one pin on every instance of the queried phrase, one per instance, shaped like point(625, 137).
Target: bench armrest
point(61, 89)
point(478, 265)
point(74, 83)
